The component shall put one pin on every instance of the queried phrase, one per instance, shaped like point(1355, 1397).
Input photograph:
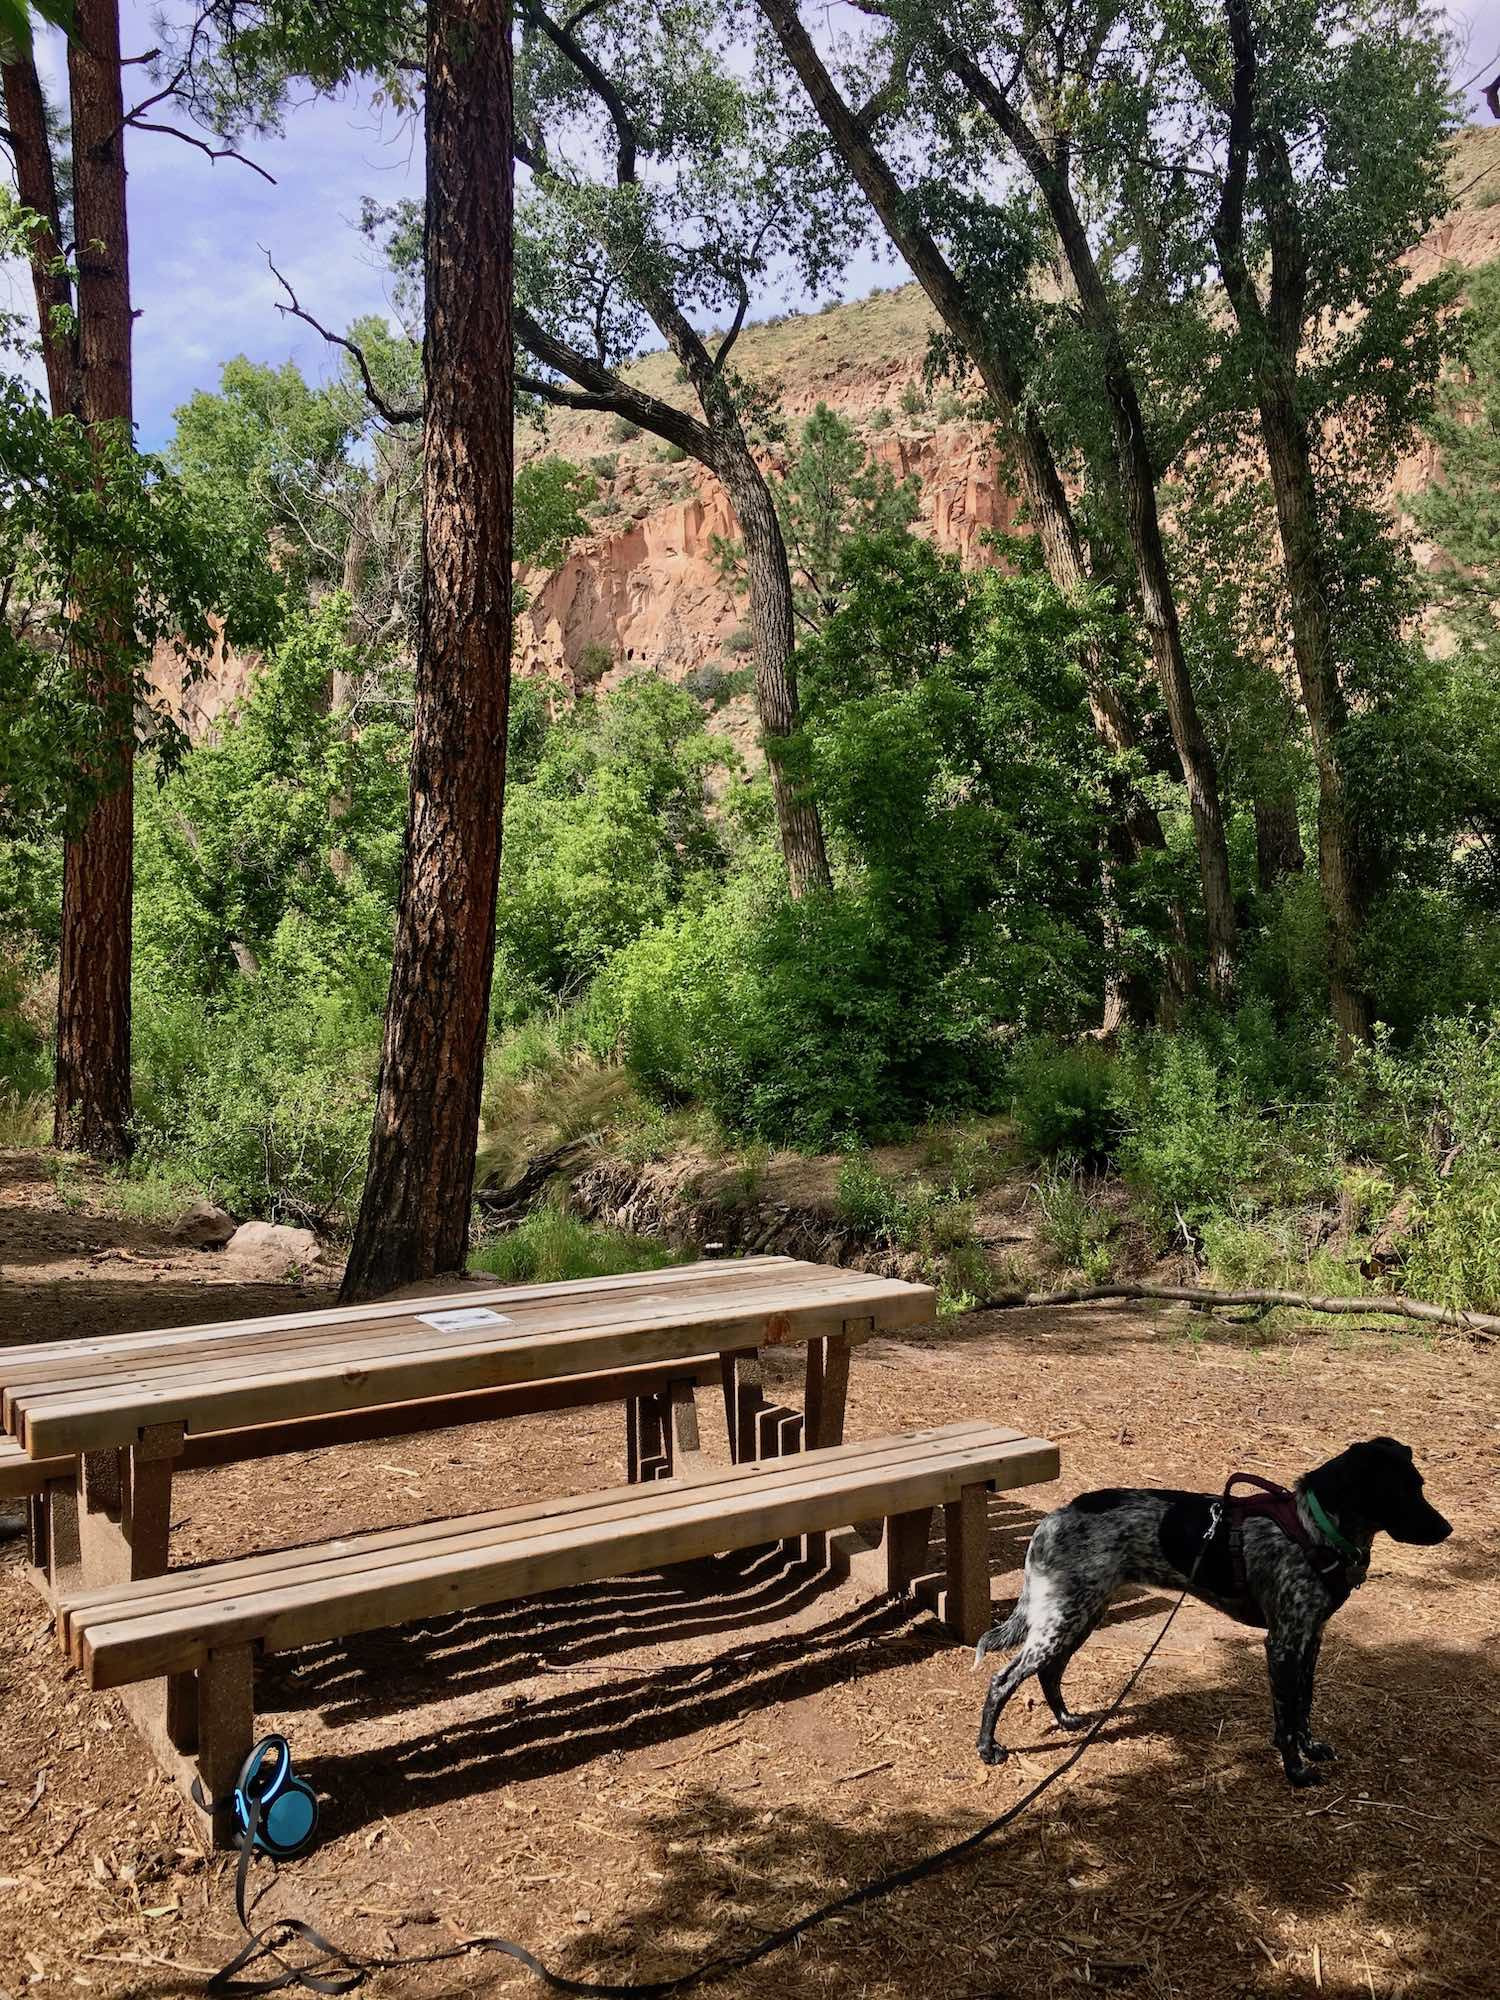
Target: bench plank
point(245, 1574)
point(307, 1601)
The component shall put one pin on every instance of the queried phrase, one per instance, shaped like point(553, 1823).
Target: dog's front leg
point(1287, 1657)
point(1320, 1753)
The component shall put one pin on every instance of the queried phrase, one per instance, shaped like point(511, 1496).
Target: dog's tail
point(1009, 1633)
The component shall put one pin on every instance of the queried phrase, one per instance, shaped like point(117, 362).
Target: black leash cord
point(339, 1971)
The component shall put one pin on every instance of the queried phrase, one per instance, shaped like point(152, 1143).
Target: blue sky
point(202, 286)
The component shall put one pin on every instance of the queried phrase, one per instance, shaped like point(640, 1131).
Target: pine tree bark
point(1272, 333)
point(1061, 544)
point(93, 1105)
point(36, 189)
point(414, 1215)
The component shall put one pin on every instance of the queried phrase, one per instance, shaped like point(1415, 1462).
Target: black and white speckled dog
point(1281, 1561)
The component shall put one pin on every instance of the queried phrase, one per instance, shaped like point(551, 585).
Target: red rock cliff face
point(645, 592)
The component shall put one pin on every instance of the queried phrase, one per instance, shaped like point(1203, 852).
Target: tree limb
point(1484, 1326)
point(605, 390)
point(391, 414)
point(188, 139)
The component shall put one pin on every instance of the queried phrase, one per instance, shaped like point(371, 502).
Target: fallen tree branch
point(1485, 1326)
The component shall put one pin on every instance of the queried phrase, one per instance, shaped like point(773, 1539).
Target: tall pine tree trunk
point(773, 631)
point(93, 1004)
point(36, 189)
point(414, 1216)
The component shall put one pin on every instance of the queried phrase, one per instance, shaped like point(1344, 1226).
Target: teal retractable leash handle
point(274, 1809)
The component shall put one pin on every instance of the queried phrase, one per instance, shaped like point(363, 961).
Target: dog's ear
point(1395, 1444)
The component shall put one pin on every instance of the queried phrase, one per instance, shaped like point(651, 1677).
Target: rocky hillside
point(644, 590)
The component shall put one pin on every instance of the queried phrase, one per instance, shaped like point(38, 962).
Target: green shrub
point(880, 418)
point(1445, 1143)
point(1064, 1100)
point(951, 408)
point(605, 466)
point(913, 400)
point(25, 1070)
point(1074, 1226)
point(622, 430)
point(594, 662)
point(264, 1103)
point(740, 640)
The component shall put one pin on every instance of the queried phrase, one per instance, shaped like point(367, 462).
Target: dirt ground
point(630, 1776)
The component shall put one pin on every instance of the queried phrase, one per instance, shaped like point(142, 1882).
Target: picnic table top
point(87, 1395)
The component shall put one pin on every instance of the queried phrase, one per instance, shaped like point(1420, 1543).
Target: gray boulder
point(273, 1249)
point(202, 1227)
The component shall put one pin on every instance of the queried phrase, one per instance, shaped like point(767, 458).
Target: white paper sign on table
point(460, 1316)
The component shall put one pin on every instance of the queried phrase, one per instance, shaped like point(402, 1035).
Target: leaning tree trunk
point(92, 1112)
point(1004, 381)
point(414, 1215)
point(773, 630)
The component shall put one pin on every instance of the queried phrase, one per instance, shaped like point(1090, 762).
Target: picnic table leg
point(226, 1733)
point(683, 1440)
point(741, 1376)
point(648, 1451)
point(148, 1500)
point(906, 1540)
point(966, 1523)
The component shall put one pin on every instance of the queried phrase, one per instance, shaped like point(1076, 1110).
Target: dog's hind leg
point(1060, 1622)
point(1050, 1679)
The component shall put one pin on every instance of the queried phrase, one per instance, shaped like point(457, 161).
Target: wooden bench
point(202, 1628)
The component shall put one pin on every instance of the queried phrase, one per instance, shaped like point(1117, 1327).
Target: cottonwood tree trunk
point(1046, 159)
point(92, 1112)
point(773, 630)
point(1342, 875)
point(1041, 484)
point(1278, 843)
point(1272, 332)
point(414, 1215)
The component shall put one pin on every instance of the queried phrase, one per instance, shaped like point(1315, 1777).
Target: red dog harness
point(1337, 1574)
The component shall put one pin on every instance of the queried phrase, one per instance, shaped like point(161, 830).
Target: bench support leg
point(648, 1450)
point(226, 1734)
point(906, 1540)
point(741, 1376)
point(966, 1522)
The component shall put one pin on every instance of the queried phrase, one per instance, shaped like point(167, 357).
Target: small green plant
point(594, 662)
point(672, 454)
point(881, 418)
point(913, 400)
point(25, 1118)
point(1074, 1226)
point(551, 1246)
point(622, 430)
point(740, 640)
point(605, 466)
point(951, 408)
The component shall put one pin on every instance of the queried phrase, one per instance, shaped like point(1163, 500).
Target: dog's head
point(1378, 1482)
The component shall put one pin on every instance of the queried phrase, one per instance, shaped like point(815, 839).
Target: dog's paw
point(1320, 1753)
point(1068, 1720)
point(992, 1752)
point(1303, 1775)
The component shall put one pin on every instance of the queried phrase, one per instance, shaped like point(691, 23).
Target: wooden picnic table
point(125, 1410)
